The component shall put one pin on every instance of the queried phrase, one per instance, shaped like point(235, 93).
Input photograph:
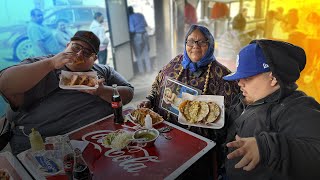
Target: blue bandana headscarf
point(208, 57)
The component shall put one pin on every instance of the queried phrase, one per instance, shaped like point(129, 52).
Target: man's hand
point(248, 148)
point(95, 91)
point(59, 60)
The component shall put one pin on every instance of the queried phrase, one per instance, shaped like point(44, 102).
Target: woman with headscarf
point(196, 68)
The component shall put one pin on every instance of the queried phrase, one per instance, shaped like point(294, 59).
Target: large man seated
point(32, 90)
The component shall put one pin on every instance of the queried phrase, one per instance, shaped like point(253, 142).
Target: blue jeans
point(141, 51)
point(102, 56)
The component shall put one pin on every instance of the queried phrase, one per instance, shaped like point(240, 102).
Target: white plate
point(68, 74)
point(207, 98)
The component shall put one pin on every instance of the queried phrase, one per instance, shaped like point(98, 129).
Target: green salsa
point(147, 136)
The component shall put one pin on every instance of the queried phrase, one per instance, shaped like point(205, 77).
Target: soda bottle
point(36, 141)
point(117, 105)
point(68, 158)
point(80, 169)
point(68, 161)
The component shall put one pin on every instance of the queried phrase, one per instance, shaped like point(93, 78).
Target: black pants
point(4, 139)
point(203, 169)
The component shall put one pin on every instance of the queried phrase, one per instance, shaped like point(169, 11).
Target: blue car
point(15, 43)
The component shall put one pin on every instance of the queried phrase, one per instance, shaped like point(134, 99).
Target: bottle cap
point(33, 132)
point(36, 141)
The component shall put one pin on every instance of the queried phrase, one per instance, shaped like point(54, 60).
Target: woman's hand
point(145, 104)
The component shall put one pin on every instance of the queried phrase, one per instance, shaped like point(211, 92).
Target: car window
point(83, 14)
point(53, 18)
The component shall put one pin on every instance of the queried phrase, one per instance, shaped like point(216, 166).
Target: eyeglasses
point(75, 47)
point(201, 43)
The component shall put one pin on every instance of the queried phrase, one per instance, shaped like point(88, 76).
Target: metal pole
point(172, 27)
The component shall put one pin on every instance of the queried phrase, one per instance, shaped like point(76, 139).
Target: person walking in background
point(313, 20)
point(42, 38)
point(139, 35)
point(270, 22)
point(278, 31)
point(219, 10)
point(242, 15)
point(99, 30)
point(219, 13)
point(190, 14)
point(230, 43)
point(62, 35)
point(291, 20)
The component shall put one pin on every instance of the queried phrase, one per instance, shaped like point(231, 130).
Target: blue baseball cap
point(250, 62)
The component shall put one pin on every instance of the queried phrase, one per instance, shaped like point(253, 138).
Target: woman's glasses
point(75, 47)
point(201, 43)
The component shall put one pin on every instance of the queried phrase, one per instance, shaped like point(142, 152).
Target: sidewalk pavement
point(143, 81)
point(142, 86)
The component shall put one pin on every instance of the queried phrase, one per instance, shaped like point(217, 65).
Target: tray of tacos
point(137, 116)
point(78, 80)
point(205, 111)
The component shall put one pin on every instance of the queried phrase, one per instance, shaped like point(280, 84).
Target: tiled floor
point(142, 85)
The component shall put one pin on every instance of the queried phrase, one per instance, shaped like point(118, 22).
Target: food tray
point(135, 121)
point(68, 74)
point(219, 100)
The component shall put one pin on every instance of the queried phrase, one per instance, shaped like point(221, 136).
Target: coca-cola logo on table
point(124, 157)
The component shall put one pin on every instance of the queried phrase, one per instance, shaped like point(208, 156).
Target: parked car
point(15, 40)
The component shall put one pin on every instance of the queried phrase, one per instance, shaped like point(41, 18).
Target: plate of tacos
point(78, 80)
point(138, 116)
point(205, 111)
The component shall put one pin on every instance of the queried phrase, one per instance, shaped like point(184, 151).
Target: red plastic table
point(167, 159)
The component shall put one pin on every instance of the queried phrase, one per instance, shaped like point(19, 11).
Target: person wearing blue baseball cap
point(273, 129)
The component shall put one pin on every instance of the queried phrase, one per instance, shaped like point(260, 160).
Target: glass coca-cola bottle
point(117, 105)
point(80, 169)
point(68, 158)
